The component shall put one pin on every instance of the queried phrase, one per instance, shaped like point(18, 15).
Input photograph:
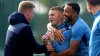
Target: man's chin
point(68, 21)
point(53, 25)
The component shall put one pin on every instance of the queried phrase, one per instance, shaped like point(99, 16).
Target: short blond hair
point(57, 8)
point(24, 5)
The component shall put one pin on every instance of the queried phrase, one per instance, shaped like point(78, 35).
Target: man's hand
point(59, 36)
point(50, 48)
point(45, 39)
point(51, 36)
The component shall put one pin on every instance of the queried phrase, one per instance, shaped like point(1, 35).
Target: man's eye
point(52, 14)
point(66, 11)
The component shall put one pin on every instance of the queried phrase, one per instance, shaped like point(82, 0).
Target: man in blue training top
point(93, 7)
point(56, 20)
point(80, 32)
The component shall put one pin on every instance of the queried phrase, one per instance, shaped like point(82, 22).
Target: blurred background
point(40, 20)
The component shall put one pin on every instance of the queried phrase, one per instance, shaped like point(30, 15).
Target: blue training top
point(81, 32)
point(94, 46)
point(59, 47)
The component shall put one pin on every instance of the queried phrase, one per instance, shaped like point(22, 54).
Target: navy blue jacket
point(19, 38)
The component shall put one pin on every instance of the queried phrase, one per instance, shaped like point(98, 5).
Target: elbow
point(72, 53)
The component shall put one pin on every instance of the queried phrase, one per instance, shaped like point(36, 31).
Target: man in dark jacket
point(19, 38)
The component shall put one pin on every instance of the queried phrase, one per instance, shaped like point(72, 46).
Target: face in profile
point(89, 8)
point(68, 12)
point(54, 17)
point(30, 14)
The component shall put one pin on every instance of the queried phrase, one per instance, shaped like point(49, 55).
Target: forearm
point(61, 54)
point(43, 49)
point(64, 53)
point(58, 48)
point(37, 47)
point(72, 50)
point(67, 52)
point(40, 49)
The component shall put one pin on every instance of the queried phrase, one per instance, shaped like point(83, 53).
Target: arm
point(64, 45)
point(59, 47)
point(69, 52)
point(30, 41)
point(77, 33)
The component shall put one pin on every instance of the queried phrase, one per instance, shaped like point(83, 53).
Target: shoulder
point(80, 27)
point(79, 24)
point(26, 28)
point(17, 27)
point(21, 28)
point(97, 21)
point(26, 32)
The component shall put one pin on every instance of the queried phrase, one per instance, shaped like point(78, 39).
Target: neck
point(96, 9)
point(58, 24)
point(74, 20)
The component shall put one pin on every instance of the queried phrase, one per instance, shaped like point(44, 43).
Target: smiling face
point(68, 13)
point(55, 17)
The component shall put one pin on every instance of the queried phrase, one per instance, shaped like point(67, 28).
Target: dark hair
point(57, 8)
point(93, 2)
point(75, 7)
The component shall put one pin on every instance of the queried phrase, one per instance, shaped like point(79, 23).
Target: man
point(80, 32)
point(19, 39)
point(93, 7)
point(56, 20)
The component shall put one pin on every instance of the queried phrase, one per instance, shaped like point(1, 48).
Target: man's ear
point(74, 14)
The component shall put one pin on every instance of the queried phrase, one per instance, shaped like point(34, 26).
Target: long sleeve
point(31, 42)
point(64, 45)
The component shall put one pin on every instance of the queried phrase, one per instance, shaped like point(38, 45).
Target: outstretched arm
point(31, 43)
point(69, 52)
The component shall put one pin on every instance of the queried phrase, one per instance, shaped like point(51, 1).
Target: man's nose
point(50, 17)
